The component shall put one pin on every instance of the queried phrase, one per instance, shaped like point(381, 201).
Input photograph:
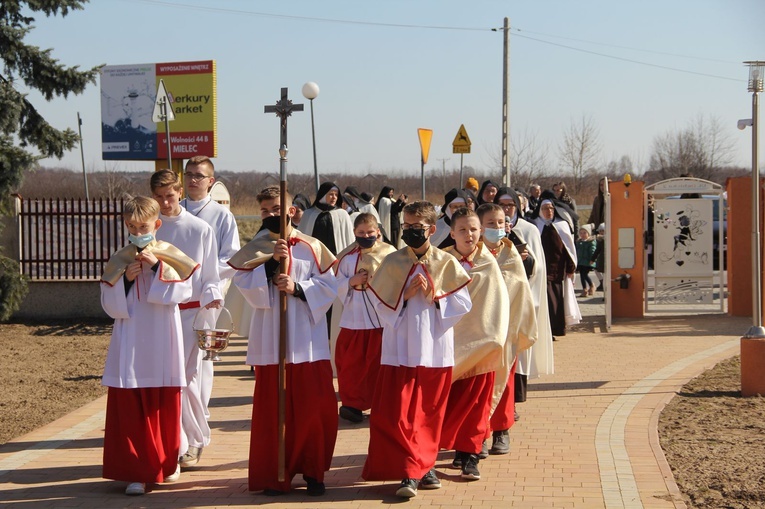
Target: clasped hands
point(134, 269)
point(419, 283)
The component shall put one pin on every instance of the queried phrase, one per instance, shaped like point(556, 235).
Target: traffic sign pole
point(461, 145)
point(164, 107)
point(425, 135)
point(163, 112)
point(460, 186)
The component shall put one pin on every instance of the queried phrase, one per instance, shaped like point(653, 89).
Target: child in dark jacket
point(585, 250)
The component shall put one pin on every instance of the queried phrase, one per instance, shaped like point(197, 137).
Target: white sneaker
point(175, 475)
point(135, 488)
point(191, 457)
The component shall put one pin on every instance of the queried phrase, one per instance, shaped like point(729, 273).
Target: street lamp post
point(756, 74)
point(311, 92)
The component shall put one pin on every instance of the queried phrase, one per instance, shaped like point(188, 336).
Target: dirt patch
point(714, 440)
point(47, 370)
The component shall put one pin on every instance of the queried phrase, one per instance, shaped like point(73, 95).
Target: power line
point(470, 29)
point(627, 47)
point(305, 18)
point(666, 67)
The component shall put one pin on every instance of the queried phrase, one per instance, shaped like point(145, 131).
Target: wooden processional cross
point(283, 109)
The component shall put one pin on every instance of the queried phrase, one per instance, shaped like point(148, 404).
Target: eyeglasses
point(418, 227)
point(195, 176)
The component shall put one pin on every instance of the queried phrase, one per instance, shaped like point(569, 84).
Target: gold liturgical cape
point(260, 249)
point(479, 337)
point(175, 266)
point(369, 260)
point(522, 332)
point(444, 274)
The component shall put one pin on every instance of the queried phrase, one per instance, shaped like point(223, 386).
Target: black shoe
point(470, 467)
point(457, 462)
point(407, 488)
point(516, 416)
point(315, 488)
point(484, 452)
point(600, 287)
point(351, 414)
point(430, 481)
point(500, 442)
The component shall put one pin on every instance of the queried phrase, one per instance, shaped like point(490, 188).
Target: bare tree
point(580, 149)
point(112, 182)
point(700, 149)
point(617, 168)
point(528, 158)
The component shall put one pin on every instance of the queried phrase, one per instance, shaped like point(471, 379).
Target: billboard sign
point(128, 97)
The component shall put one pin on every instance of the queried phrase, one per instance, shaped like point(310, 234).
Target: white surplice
point(421, 333)
point(307, 338)
point(146, 348)
point(359, 311)
point(223, 224)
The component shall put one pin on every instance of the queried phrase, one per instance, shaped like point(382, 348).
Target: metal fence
point(68, 239)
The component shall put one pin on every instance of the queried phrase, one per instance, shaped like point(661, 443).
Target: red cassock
point(467, 413)
point(142, 434)
point(504, 415)
point(405, 423)
point(357, 357)
point(311, 417)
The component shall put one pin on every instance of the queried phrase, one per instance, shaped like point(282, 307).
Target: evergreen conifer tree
point(25, 136)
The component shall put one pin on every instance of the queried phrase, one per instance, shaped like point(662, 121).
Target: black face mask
point(366, 242)
point(272, 224)
point(414, 238)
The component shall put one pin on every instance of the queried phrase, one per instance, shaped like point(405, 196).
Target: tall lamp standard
point(311, 92)
point(756, 74)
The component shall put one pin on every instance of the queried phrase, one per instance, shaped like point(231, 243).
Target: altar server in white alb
point(199, 178)
point(141, 287)
point(311, 405)
point(422, 294)
point(357, 353)
point(197, 239)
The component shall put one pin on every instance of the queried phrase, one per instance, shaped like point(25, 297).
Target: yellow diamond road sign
point(461, 143)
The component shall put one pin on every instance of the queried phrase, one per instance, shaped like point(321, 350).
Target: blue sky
point(380, 83)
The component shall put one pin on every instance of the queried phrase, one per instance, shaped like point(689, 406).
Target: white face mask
point(141, 241)
point(494, 235)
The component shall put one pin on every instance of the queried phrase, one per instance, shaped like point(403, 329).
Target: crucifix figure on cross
point(283, 109)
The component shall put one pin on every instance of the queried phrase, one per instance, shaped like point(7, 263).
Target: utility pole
point(506, 177)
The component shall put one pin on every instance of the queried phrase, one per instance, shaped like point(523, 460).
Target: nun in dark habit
point(389, 210)
point(487, 192)
point(560, 259)
point(454, 200)
point(326, 221)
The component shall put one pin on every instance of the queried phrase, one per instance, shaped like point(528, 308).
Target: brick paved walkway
point(586, 439)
